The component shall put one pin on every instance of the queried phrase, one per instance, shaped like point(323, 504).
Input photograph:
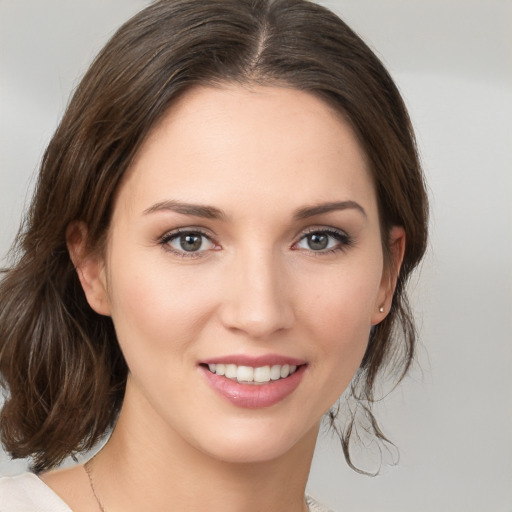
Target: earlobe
point(392, 266)
point(90, 268)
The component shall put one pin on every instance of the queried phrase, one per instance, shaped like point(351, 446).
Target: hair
point(60, 362)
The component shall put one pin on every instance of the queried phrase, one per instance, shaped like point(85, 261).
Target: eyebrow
point(197, 210)
point(311, 211)
point(211, 212)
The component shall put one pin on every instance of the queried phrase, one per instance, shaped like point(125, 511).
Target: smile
point(252, 375)
point(254, 383)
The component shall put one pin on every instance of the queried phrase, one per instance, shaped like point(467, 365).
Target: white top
point(28, 493)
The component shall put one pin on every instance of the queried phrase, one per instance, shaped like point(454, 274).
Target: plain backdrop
point(452, 60)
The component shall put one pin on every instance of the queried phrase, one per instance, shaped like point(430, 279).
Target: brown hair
point(60, 361)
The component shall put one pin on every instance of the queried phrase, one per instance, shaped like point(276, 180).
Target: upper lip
point(255, 361)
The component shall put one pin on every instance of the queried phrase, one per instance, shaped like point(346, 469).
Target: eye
point(187, 243)
point(324, 241)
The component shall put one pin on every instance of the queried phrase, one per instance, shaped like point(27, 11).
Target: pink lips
point(254, 396)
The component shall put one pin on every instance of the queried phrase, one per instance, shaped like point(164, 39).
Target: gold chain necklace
point(88, 470)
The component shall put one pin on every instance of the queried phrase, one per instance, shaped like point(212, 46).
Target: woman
point(219, 242)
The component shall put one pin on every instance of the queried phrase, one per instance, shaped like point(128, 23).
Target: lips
point(254, 382)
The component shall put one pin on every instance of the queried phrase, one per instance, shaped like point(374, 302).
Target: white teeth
point(261, 374)
point(275, 372)
point(231, 371)
point(245, 374)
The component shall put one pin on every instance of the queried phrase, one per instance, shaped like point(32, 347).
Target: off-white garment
point(28, 493)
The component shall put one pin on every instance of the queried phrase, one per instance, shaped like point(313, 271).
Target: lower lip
point(254, 396)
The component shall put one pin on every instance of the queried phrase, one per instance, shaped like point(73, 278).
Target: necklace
point(88, 470)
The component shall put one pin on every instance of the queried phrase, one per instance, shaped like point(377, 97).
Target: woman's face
point(245, 236)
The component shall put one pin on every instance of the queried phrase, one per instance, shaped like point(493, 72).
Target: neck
point(137, 471)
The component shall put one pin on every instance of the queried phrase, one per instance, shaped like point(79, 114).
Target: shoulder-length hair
point(60, 361)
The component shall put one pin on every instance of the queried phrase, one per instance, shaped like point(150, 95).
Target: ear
point(396, 244)
point(89, 266)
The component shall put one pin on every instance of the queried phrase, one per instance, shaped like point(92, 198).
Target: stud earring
point(381, 309)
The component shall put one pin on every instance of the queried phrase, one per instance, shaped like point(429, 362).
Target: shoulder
point(27, 493)
point(315, 506)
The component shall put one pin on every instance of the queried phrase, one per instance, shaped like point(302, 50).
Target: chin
point(258, 444)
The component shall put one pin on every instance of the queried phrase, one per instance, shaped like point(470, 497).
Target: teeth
point(275, 372)
point(231, 371)
point(260, 374)
point(245, 374)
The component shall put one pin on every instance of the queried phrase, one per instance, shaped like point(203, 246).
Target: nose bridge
point(256, 299)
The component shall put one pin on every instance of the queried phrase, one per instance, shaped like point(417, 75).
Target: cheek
point(338, 316)
point(344, 298)
point(154, 310)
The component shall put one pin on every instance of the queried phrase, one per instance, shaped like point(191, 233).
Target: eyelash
point(169, 237)
point(344, 241)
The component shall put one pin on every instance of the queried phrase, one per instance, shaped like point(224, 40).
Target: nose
point(257, 299)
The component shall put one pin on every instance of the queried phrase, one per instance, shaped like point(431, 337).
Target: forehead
point(234, 144)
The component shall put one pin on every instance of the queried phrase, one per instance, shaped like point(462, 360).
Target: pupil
point(318, 242)
point(190, 243)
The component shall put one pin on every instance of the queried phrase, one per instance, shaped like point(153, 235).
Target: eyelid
point(174, 233)
point(322, 229)
point(344, 239)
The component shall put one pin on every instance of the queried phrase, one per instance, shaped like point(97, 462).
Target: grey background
point(452, 59)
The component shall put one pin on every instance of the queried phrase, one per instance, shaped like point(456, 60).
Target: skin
point(256, 286)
